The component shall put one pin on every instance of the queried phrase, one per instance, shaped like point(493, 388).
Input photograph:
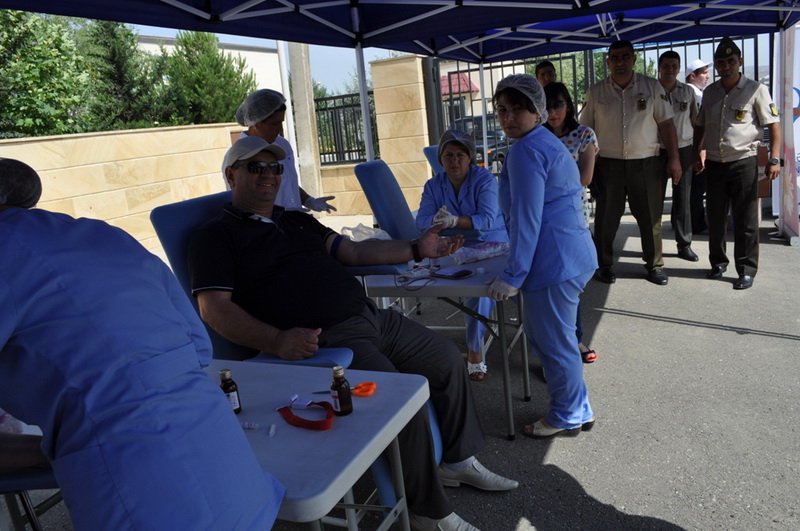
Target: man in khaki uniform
point(729, 127)
point(684, 107)
point(629, 114)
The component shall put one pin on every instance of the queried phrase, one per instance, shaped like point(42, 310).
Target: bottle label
point(233, 398)
point(335, 398)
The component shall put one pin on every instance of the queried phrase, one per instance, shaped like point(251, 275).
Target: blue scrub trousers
point(549, 319)
point(475, 328)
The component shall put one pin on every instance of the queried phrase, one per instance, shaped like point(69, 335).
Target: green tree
point(205, 85)
point(128, 86)
point(42, 78)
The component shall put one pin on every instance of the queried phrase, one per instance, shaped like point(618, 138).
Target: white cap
point(249, 146)
point(697, 64)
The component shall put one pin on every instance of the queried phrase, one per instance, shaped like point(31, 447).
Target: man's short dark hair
point(616, 45)
point(542, 65)
point(669, 55)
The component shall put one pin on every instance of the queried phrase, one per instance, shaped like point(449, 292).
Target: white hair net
point(461, 139)
point(20, 185)
point(259, 106)
point(530, 88)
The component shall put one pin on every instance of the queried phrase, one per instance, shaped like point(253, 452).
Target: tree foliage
point(60, 75)
point(43, 82)
point(128, 87)
point(205, 84)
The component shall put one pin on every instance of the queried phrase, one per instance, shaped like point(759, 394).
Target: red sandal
point(589, 356)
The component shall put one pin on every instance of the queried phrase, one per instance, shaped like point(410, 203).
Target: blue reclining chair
point(174, 225)
point(431, 153)
point(386, 199)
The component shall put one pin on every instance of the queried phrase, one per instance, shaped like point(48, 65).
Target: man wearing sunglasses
point(631, 116)
point(274, 280)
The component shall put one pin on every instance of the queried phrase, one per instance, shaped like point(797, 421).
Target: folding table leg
point(526, 374)
point(501, 318)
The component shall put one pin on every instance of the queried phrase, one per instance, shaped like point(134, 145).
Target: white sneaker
point(451, 522)
point(476, 475)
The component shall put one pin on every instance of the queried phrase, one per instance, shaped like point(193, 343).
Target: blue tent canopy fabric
point(467, 30)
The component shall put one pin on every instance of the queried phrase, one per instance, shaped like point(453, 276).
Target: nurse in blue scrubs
point(102, 350)
point(464, 196)
point(552, 255)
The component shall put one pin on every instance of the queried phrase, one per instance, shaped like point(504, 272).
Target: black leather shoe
point(744, 282)
point(686, 253)
point(605, 274)
point(716, 272)
point(657, 276)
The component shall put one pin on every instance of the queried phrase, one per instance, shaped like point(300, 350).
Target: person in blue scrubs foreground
point(552, 255)
point(464, 196)
point(103, 351)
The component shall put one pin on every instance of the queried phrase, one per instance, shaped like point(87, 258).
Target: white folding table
point(318, 468)
point(449, 290)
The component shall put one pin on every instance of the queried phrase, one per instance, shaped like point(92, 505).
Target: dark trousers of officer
point(697, 206)
point(734, 186)
point(640, 181)
point(681, 214)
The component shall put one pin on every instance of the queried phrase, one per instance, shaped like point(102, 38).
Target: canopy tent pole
point(283, 66)
point(363, 94)
point(787, 182)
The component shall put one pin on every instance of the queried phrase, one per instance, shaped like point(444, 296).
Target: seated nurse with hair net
point(263, 112)
point(101, 348)
point(464, 196)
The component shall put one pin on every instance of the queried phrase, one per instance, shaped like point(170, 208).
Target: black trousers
point(384, 340)
point(681, 213)
point(734, 186)
point(638, 180)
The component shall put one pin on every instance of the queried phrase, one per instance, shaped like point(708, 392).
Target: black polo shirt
point(279, 271)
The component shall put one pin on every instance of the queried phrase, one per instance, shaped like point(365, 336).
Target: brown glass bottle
point(230, 389)
point(340, 393)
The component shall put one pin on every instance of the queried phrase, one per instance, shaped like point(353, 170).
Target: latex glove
point(443, 217)
point(500, 290)
point(320, 203)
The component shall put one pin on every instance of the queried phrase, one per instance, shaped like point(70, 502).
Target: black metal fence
point(341, 128)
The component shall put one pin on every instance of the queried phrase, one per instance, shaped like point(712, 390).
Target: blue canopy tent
point(476, 31)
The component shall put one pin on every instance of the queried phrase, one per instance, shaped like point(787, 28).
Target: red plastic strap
point(320, 425)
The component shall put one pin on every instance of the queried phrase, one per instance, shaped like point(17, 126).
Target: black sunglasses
point(556, 105)
point(258, 168)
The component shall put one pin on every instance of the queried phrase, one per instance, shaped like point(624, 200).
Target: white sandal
point(477, 371)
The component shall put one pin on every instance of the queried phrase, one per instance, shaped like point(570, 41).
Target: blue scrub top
point(540, 197)
point(476, 199)
point(103, 351)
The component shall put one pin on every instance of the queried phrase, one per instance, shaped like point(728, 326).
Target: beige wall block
point(402, 124)
point(65, 206)
point(137, 225)
point(401, 70)
point(412, 174)
point(107, 205)
point(398, 150)
point(146, 198)
point(400, 98)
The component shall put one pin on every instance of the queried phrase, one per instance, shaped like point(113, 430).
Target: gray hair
point(20, 185)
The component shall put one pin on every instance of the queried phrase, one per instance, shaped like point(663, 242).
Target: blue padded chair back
point(386, 199)
point(431, 153)
point(174, 225)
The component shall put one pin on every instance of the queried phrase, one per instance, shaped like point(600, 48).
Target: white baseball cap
point(697, 64)
point(247, 147)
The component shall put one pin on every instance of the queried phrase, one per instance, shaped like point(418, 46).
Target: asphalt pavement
point(697, 396)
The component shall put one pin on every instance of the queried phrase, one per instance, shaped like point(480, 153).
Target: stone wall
point(121, 176)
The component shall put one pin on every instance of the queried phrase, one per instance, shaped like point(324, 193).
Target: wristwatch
point(774, 160)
